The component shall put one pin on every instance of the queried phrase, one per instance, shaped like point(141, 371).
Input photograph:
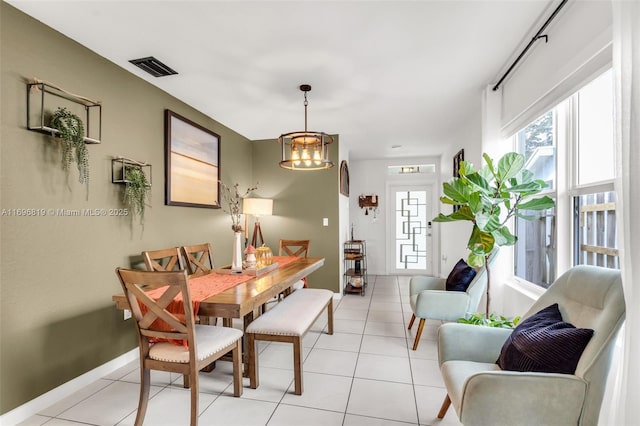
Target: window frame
point(566, 134)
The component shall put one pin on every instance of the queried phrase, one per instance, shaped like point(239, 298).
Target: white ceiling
point(383, 73)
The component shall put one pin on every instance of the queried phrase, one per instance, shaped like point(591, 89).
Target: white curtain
point(626, 62)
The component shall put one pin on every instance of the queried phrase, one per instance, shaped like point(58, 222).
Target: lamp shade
point(257, 206)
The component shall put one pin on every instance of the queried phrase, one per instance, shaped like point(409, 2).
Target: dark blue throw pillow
point(545, 343)
point(460, 277)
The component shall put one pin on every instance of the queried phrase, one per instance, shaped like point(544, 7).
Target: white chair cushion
point(294, 315)
point(209, 340)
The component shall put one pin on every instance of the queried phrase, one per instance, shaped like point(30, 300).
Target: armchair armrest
point(468, 342)
point(441, 304)
point(421, 283)
point(512, 397)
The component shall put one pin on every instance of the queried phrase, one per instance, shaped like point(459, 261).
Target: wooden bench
point(288, 321)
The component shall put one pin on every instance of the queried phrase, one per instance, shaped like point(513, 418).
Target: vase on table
point(236, 262)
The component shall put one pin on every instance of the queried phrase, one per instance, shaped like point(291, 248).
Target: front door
point(411, 229)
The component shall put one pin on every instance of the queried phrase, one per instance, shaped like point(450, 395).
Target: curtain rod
point(535, 38)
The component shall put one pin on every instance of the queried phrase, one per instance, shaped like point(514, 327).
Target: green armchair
point(484, 394)
point(430, 300)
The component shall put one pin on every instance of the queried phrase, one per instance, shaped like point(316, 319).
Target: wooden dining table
point(242, 300)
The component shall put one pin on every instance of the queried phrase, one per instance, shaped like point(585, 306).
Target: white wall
point(370, 177)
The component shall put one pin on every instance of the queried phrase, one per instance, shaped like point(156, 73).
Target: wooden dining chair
point(168, 259)
point(199, 258)
point(204, 344)
point(297, 248)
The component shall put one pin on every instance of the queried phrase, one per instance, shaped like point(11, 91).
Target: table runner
point(203, 287)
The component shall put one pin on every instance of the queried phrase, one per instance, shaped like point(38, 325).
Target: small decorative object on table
point(251, 256)
point(264, 257)
point(232, 198)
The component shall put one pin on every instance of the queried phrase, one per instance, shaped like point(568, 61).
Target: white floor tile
point(339, 363)
point(382, 367)
point(353, 420)
point(426, 372)
point(279, 355)
point(348, 326)
point(386, 316)
point(274, 382)
point(430, 400)
point(340, 342)
point(171, 406)
point(321, 391)
point(383, 400)
point(379, 328)
point(386, 306)
point(229, 411)
point(289, 415)
point(108, 406)
point(34, 421)
point(350, 314)
point(75, 398)
point(380, 345)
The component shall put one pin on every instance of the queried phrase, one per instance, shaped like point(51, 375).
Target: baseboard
point(33, 407)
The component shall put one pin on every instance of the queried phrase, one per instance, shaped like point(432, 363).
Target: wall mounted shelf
point(43, 98)
point(119, 167)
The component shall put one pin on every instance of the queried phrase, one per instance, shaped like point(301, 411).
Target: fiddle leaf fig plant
point(489, 198)
point(71, 132)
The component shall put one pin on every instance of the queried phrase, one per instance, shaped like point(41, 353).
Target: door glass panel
point(411, 230)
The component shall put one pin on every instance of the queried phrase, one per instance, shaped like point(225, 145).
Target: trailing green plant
point(71, 132)
point(136, 190)
point(493, 320)
point(489, 198)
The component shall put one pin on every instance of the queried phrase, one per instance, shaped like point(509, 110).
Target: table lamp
point(256, 207)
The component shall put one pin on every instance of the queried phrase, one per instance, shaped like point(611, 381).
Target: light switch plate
point(325, 221)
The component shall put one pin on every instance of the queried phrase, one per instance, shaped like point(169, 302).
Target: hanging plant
point(71, 134)
point(136, 190)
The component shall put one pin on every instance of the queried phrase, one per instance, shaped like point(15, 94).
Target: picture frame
point(457, 160)
point(344, 178)
point(192, 163)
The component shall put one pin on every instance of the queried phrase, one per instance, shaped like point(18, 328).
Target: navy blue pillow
point(544, 342)
point(460, 277)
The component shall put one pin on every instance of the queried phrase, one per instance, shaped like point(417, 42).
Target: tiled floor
point(365, 374)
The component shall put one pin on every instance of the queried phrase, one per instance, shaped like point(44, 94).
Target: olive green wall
point(57, 273)
point(301, 199)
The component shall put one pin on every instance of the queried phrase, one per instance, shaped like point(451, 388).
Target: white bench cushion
point(209, 340)
point(294, 315)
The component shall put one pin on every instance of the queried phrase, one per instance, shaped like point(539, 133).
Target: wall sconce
point(368, 202)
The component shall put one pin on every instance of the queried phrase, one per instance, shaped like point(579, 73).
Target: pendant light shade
point(305, 150)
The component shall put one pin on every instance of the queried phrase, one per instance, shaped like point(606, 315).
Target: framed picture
point(192, 163)
point(344, 178)
point(457, 159)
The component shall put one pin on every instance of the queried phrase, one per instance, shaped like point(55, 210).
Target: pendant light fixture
point(305, 150)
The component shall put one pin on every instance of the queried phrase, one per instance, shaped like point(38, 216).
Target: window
point(583, 169)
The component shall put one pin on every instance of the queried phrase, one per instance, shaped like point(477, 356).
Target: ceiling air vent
point(153, 66)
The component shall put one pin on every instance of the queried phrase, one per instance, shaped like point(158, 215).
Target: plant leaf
point(487, 222)
point(489, 162)
point(478, 181)
point(480, 242)
point(456, 190)
point(504, 237)
point(510, 165)
point(542, 203)
point(475, 260)
point(446, 200)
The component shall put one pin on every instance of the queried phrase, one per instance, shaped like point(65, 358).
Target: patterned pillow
point(545, 343)
point(460, 277)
